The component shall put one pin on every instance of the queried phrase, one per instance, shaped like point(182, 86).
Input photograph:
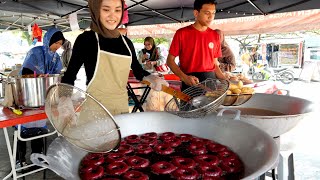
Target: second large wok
point(275, 114)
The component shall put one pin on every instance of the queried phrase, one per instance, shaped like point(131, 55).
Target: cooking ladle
point(197, 102)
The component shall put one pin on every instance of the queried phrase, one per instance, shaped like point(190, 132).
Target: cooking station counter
point(9, 119)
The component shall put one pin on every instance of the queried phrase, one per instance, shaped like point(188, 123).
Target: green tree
point(24, 35)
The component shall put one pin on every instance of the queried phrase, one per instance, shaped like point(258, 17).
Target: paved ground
point(302, 140)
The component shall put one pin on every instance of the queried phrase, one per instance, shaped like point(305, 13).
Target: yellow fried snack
point(212, 94)
point(247, 90)
point(240, 84)
point(229, 92)
point(236, 91)
point(233, 86)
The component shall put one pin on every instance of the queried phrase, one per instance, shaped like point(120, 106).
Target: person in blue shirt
point(44, 59)
point(39, 60)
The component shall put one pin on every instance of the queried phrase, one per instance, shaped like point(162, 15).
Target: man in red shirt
point(197, 46)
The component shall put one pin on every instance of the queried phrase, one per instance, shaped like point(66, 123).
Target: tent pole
point(14, 23)
point(157, 12)
point(255, 6)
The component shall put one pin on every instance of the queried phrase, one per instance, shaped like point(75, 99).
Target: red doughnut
point(143, 149)
point(195, 140)
point(115, 157)
point(136, 162)
point(163, 167)
point(210, 171)
point(125, 149)
point(213, 147)
point(163, 149)
point(206, 159)
point(184, 162)
point(175, 142)
point(93, 158)
point(185, 173)
point(212, 178)
point(231, 165)
point(117, 168)
point(201, 140)
point(229, 155)
point(90, 172)
point(123, 142)
point(132, 139)
point(135, 175)
point(167, 135)
point(197, 149)
point(185, 137)
point(150, 141)
point(151, 135)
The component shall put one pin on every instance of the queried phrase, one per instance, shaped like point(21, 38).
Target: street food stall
point(240, 137)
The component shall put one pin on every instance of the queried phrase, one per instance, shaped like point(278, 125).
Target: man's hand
point(190, 80)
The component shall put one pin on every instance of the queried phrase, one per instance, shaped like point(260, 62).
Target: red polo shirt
point(196, 49)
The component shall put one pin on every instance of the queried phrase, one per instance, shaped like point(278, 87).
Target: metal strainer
point(81, 119)
point(207, 96)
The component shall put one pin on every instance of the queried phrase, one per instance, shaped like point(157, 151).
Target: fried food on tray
point(238, 88)
point(32, 75)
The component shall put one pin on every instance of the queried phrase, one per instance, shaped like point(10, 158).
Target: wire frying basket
point(81, 119)
point(207, 96)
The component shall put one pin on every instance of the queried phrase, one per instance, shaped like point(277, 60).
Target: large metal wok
point(275, 114)
point(256, 148)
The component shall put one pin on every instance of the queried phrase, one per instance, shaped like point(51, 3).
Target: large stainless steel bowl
point(31, 92)
point(256, 148)
point(275, 114)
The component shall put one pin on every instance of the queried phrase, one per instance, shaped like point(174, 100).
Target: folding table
point(9, 119)
point(137, 103)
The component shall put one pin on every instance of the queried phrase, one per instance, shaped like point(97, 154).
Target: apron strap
point(97, 37)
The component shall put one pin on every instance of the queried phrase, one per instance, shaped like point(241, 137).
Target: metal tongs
point(197, 101)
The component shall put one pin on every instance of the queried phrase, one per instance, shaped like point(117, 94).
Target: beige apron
point(108, 84)
point(94, 129)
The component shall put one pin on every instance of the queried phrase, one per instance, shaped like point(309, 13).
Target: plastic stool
point(44, 151)
point(17, 135)
point(284, 168)
point(286, 165)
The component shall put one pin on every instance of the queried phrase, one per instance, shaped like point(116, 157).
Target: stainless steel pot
point(256, 148)
point(31, 92)
point(275, 114)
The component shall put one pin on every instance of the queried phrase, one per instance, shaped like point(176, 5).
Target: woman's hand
point(150, 64)
point(145, 57)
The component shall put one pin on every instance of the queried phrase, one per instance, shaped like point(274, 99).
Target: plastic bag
point(8, 96)
point(156, 82)
point(62, 157)
point(67, 116)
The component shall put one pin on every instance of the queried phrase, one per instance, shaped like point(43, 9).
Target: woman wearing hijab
point(107, 57)
point(44, 59)
point(39, 60)
point(227, 60)
point(150, 55)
